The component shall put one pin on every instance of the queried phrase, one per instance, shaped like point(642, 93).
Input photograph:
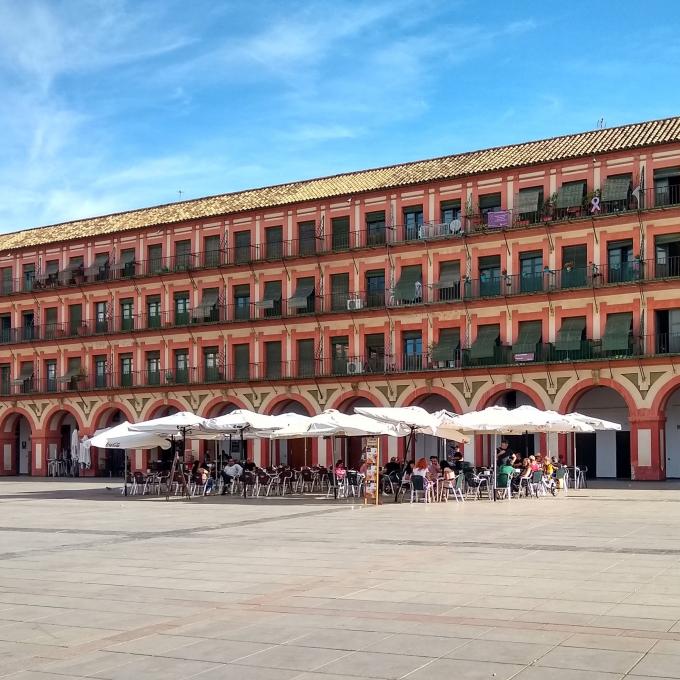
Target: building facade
point(544, 273)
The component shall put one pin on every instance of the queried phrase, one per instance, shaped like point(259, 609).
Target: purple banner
point(498, 220)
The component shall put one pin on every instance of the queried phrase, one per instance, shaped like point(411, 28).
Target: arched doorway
point(295, 453)
point(18, 435)
point(522, 444)
point(426, 445)
point(108, 462)
point(219, 450)
point(350, 449)
point(605, 454)
point(61, 426)
point(672, 434)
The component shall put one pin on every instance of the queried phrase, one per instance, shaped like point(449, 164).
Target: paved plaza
point(92, 585)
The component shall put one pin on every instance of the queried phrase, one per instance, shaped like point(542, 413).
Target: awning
point(272, 294)
point(666, 239)
point(616, 189)
point(570, 334)
point(485, 344)
point(301, 298)
point(445, 349)
point(70, 374)
point(529, 336)
point(449, 275)
point(570, 195)
point(665, 173)
point(210, 299)
point(406, 286)
point(617, 331)
point(26, 371)
point(100, 261)
point(527, 201)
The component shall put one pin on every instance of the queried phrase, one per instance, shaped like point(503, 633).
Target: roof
point(621, 138)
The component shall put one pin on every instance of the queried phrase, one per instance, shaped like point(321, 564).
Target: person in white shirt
point(232, 470)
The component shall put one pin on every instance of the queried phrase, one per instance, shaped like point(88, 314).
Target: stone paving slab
point(93, 585)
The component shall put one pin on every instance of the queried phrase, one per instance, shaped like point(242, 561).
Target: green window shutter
point(406, 288)
point(570, 334)
point(571, 195)
point(527, 200)
point(484, 345)
point(272, 294)
point(304, 289)
point(617, 332)
point(528, 337)
point(449, 274)
point(449, 341)
point(616, 188)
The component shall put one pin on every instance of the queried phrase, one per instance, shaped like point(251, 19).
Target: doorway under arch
point(522, 444)
point(108, 462)
point(295, 453)
point(426, 445)
point(17, 432)
point(219, 450)
point(161, 459)
point(350, 449)
point(604, 454)
point(672, 434)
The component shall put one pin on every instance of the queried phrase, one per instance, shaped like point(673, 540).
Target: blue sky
point(110, 105)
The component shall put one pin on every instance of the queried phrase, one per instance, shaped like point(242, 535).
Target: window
point(153, 368)
point(181, 309)
point(340, 233)
point(339, 291)
point(100, 321)
point(621, 264)
point(271, 300)
point(375, 353)
point(211, 367)
point(128, 262)
point(242, 302)
point(242, 247)
point(155, 259)
point(181, 367)
point(529, 335)
point(529, 203)
point(126, 370)
point(6, 282)
point(339, 354)
point(490, 276)
point(6, 328)
point(409, 288)
point(413, 350)
point(100, 371)
point(5, 379)
point(413, 222)
point(570, 198)
point(489, 203)
point(449, 211)
point(531, 271)
point(211, 251)
point(28, 326)
point(182, 255)
point(667, 331)
point(448, 286)
point(307, 236)
point(74, 373)
point(375, 228)
point(51, 325)
point(667, 186)
point(616, 193)
point(241, 362)
point(485, 348)
point(574, 266)
point(28, 277)
point(272, 353)
point(27, 377)
point(570, 338)
point(127, 322)
point(375, 288)
point(667, 251)
point(153, 311)
point(75, 272)
point(75, 319)
point(51, 375)
point(273, 237)
point(305, 356)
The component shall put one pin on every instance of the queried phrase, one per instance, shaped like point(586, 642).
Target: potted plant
point(549, 207)
point(169, 377)
point(435, 363)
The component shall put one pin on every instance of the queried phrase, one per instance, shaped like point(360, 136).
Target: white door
point(673, 435)
point(24, 459)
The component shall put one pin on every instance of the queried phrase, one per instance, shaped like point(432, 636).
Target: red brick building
point(543, 273)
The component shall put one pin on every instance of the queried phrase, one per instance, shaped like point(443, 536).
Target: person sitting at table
point(232, 471)
point(408, 467)
point(340, 470)
point(532, 462)
point(506, 472)
point(433, 467)
point(421, 468)
point(392, 467)
point(249, 466)
point(194, 469)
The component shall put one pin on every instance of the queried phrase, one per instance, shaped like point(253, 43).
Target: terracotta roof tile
point(447, 167)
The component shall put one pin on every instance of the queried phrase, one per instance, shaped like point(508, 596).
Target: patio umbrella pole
point(494, 469)
point(125, 484)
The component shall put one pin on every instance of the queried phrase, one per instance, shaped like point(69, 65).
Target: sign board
point(498, 220)
point(525, 356)
point(371, 486)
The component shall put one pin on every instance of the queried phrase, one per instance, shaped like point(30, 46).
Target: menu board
point(371, 486)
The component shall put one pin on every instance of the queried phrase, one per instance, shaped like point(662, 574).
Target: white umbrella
point(75, 447)
point(169, 425)
point(415, 419)
point(332, 422)
point(123, 437)
point(241, 419)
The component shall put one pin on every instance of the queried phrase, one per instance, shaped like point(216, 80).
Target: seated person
point(249, 466)
point(340, 470)
point(505, 472)
point(534, 465)
point(433, 467)
point(232, 470)
point(392, 467)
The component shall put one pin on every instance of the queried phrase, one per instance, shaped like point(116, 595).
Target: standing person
point(503, 452)
point(232, 470)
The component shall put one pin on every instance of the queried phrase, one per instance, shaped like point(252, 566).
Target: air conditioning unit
point(353, 304)
point(354, 367)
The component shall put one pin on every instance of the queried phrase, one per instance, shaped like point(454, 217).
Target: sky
point(111, 105)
